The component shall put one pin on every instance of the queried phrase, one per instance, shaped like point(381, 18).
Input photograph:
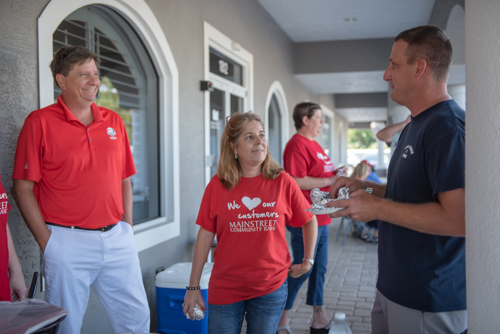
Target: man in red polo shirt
point(72, 185)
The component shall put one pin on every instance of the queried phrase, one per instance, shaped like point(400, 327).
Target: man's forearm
point(445, 217)
point(388, 132)
point(127, 201)
point(26, 201)
point(438, 218)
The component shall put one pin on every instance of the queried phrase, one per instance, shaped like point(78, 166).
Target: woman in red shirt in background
point(247, 205)
point(309, 165)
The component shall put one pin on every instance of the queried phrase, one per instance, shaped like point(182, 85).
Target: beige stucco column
point(482, 161)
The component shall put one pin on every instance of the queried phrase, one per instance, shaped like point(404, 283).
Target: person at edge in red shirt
point(12, 285)
point(72, 184)
point(247, 205)
point(309, 165)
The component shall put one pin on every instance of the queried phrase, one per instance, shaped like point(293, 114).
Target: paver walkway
point(349, 285)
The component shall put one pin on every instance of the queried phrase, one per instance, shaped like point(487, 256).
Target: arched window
point(276, 121)
point(275, 133)
point(129, 86)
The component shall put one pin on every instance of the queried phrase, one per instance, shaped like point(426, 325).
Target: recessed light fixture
point(350, 19)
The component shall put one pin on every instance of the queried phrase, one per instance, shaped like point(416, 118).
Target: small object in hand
point(317, 195)
point(320, 198)
point(343, 193)
point(198, 313)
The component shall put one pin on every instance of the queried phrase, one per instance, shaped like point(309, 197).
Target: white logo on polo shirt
point(408, 150)
point(111, 133)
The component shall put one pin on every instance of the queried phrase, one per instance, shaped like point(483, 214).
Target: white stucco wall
point(482, 184)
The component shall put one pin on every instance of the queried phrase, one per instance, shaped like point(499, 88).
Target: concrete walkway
point(349, 285)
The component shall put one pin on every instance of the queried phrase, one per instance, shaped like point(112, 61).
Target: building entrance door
point(223, 103)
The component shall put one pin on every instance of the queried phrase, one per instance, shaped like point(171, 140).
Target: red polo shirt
point(78, 170)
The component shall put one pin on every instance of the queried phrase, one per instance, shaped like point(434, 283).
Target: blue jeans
point(316, 274)
point(262, 314)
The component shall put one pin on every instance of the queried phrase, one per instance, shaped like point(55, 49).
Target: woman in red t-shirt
point(12, 285)
point(311, 167)
point(246, 205)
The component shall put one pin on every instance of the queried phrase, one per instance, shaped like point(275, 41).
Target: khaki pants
point(389, 317)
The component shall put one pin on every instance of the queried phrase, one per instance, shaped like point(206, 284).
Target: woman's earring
point(236, 156)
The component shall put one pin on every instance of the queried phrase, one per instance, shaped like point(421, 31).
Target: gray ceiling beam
point(342, 56)
point(361, 100)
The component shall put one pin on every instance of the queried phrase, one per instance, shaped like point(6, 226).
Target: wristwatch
point(311, 261)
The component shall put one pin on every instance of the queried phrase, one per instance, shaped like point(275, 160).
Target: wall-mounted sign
point(225, 67)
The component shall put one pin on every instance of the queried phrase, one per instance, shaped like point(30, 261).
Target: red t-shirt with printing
point(78, 170)
point(4, 248)
point(303, 157)
point(251, 258)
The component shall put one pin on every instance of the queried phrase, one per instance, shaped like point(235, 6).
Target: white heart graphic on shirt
point(251, 203)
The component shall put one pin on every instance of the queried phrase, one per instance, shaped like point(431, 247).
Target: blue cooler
point(170, 290)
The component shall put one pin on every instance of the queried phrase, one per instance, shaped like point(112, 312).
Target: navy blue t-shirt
point(418, 270)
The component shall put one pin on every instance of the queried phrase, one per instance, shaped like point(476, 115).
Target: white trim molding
point(142, 19)
point(213, 38)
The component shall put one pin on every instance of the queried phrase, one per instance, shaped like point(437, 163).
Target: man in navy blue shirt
point(421, 282)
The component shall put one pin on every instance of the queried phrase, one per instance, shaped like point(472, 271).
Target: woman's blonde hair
point(229, 169)
point(361, 171)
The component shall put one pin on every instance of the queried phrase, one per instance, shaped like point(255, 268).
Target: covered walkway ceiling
point(342, 47)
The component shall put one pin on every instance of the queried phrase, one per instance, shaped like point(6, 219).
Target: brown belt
point(102, 229)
